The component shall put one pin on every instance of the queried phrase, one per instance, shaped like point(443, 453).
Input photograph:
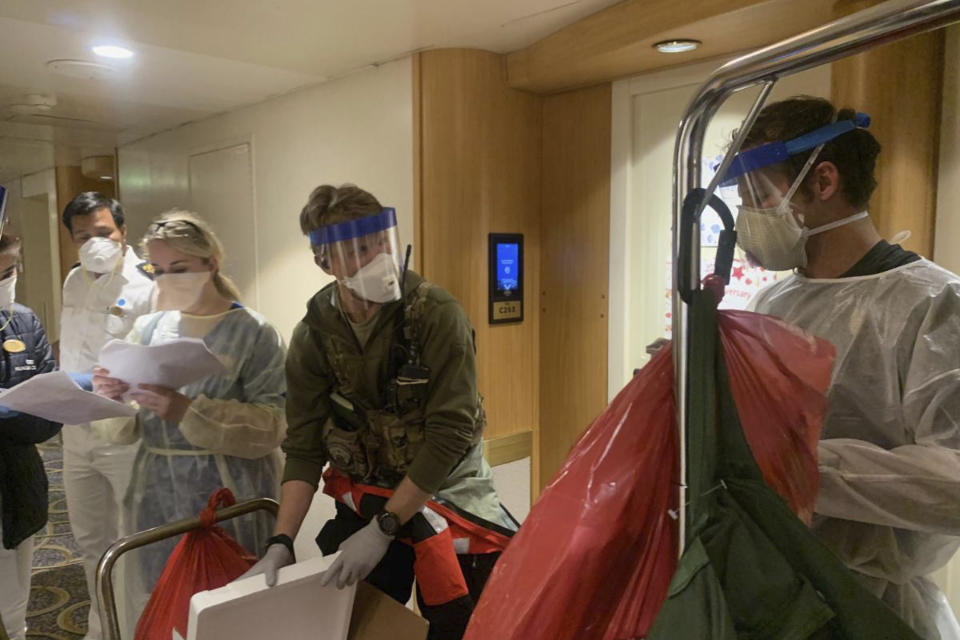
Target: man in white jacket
point(102, 296)
point(889, 502)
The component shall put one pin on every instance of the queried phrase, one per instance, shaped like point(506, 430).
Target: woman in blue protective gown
point(223, 431)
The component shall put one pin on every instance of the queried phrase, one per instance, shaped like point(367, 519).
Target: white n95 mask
point(100, 255)
point(180, 291)
point(376, 281)
point(773, 237)
point(8, 289)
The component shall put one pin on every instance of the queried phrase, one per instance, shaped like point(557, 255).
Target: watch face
point(389, 523)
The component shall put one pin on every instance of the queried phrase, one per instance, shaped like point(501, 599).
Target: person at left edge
point(23, 481)
point(102, 297)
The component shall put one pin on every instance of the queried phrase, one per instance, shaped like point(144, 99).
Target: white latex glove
point(359, 554)
point(277, 556)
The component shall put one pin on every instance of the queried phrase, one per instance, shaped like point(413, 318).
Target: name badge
point(12, 345)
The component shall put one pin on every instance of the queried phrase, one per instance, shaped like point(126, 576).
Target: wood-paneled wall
point(575, 237)
point(900, 86)
point(494, 159)
point(479, 172)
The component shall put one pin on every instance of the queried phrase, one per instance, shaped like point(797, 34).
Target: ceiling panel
point(196, 59)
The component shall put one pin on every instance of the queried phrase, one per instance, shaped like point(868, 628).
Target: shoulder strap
point(412, 316)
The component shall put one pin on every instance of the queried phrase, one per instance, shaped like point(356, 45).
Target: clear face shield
point(3, 208)
point(770, 227)
point(364, 255)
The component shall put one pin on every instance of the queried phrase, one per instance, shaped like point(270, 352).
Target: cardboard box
point(377, 616)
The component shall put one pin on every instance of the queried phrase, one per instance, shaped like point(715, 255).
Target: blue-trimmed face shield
point(364, 254)
point(759, 175)
point(770, 228)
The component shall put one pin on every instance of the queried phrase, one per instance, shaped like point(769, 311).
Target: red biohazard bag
point(779, 376)
point(595, 557)
point(206, 558)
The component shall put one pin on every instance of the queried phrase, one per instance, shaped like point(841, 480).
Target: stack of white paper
point(55, 396)
point(296, 608)
point(171, 364)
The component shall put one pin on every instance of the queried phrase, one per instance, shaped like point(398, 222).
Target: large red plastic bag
point(779, 376)
point(595, 557)
point(604, 513)
point(207, 558)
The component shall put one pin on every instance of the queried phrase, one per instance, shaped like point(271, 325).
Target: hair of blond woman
point(190, 234)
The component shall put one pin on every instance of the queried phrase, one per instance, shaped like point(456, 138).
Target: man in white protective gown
point(889, 502)
point(102, 296)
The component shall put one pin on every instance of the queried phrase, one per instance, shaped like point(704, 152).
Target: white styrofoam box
point(296, 608)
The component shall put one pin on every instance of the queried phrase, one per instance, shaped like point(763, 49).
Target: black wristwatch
point(389, 523)
point(285, 540)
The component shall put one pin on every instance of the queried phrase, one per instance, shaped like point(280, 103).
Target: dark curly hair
point(854, 153)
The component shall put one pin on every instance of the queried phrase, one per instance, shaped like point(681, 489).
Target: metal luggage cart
point(108, 604)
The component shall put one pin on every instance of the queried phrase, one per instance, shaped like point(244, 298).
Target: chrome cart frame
point(884, 23)
point(108, 604)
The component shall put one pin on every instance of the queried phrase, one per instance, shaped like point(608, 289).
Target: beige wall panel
point(355, 129)
point(900, 86)
point(574, 269)
point(480, 173)
point(947, 249)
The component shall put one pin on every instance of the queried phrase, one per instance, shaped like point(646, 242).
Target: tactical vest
point(377, 445)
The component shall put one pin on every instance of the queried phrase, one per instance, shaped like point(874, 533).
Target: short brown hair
point(854, 153)
point(329, 205)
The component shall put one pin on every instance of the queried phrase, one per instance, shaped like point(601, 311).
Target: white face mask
point(8, 289)
point(773, 235)
point(775, 238)
point(100, 255)
point(180, 291)
point(376, 281)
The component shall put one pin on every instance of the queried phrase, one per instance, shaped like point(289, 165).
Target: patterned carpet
point(58, 594)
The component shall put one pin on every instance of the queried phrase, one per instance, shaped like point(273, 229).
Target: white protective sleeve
point(913, 486)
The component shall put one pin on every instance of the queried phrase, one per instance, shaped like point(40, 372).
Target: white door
point(221, 191)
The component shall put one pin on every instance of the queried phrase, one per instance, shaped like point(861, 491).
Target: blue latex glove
point(83, 380)
point(7, 413)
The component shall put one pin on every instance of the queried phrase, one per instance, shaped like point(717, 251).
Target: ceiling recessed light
point(112, 51)
point(677, 46)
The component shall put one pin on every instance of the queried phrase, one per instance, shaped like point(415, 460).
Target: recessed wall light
point(677, 46)
point(112, 51)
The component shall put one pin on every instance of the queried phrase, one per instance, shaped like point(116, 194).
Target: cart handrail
point(887, 22)
point(108, 604)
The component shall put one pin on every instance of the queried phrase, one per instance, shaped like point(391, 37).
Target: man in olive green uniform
point(381, 378)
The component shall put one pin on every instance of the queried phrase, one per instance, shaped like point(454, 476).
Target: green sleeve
point(451, 408)
point(308, 405)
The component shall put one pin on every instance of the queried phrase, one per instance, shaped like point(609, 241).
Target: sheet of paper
point(172, 364)
point(55, 396)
